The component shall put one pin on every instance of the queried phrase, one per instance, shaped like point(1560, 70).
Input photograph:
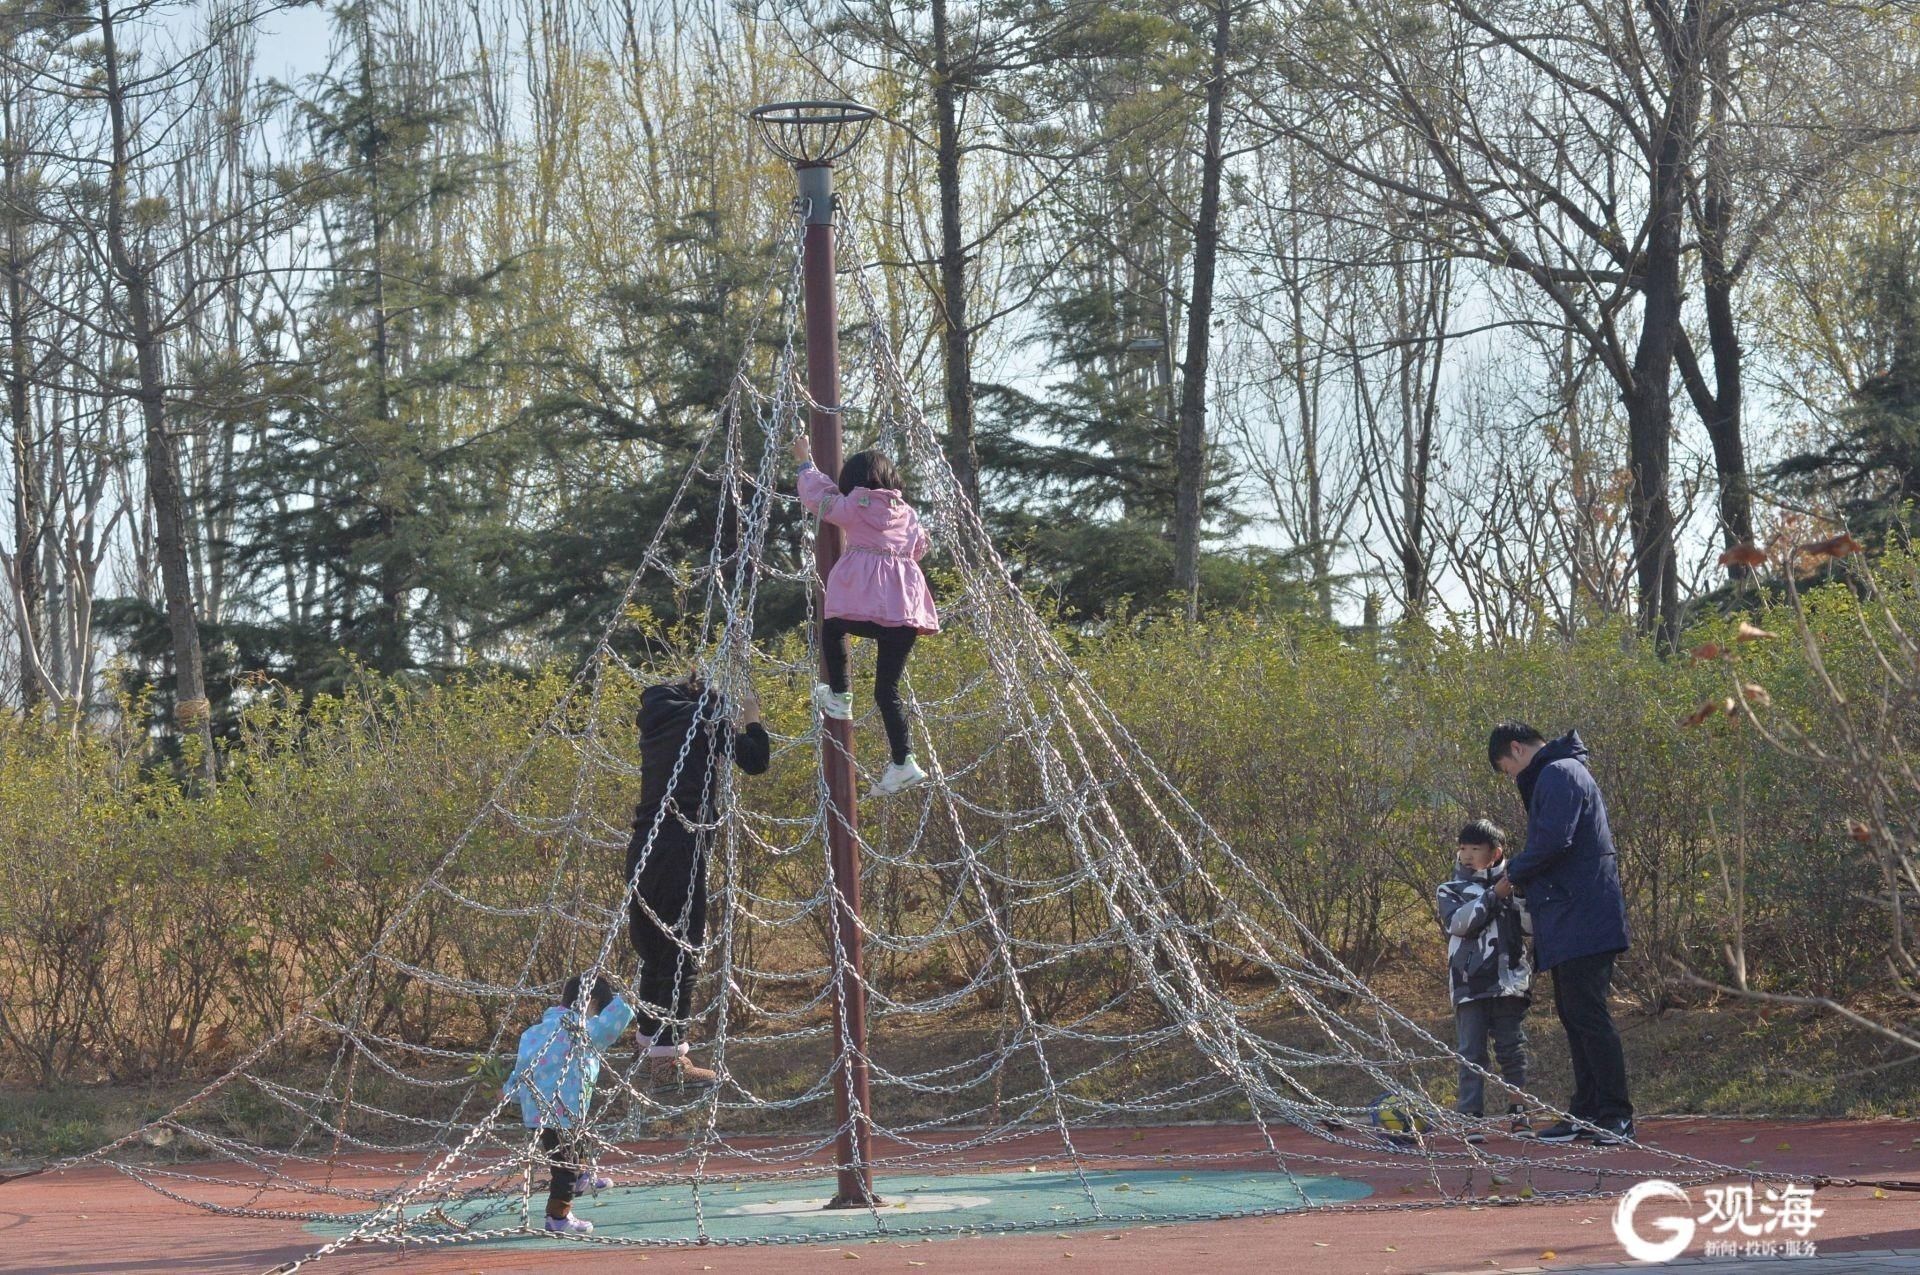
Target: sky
point(293, 43)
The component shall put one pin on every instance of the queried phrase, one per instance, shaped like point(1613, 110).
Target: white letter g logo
point(1679, 1229)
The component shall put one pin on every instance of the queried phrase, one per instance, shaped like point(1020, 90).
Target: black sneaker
point(1559, 1131)
point(1609, 1133)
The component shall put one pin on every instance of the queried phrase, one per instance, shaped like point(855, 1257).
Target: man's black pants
point(1580, 988)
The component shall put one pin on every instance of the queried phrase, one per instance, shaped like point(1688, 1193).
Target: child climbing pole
point(876, 590)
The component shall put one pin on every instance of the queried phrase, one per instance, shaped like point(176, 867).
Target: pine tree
point(622, 425)
point(1871, 467)
point(372, 517)
point(1087, 473)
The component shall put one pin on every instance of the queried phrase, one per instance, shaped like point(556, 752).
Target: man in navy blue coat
point(1569, 875)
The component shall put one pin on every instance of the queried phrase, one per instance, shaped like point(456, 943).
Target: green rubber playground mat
point(949, 1204)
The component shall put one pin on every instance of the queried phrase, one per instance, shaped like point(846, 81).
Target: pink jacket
point(878, 576)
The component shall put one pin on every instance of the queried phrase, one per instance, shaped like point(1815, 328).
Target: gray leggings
point(1504, 1018)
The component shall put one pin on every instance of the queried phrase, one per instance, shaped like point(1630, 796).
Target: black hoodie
point(673, 718)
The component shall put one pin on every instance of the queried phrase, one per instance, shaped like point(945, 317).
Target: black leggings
point(896, 644)
point(562, 1150)
point(673, 884)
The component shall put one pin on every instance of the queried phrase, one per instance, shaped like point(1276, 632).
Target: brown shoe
point(677, 1071)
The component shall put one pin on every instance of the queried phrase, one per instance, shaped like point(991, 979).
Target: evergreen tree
point(370, 524)
point(1871, 467)
point(1084, 480)
point(621, 425)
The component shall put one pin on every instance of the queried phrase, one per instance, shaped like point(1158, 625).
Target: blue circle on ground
point(922, 1205)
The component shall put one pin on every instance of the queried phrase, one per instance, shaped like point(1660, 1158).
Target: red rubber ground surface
point(98, 1222)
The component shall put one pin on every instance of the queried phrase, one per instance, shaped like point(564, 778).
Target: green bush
point(147, 931)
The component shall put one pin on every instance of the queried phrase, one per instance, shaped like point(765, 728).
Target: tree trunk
point(1649, 398)
point(162, 460)
point(393, 641)
point(1721, 413)
point(956, 339)
point(28, 484)
point(1190, 449)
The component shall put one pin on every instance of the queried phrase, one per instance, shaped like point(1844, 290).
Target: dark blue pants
point(1580, 989)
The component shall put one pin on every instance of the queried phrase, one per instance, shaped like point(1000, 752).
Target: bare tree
point(1547, 134)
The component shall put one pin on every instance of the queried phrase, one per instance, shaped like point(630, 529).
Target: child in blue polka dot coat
point(553, 1078)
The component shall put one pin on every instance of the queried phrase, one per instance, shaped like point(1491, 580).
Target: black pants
point(896, 644)
point(562, 1150)
point(1505, 1019)
point(1580, 988)
point(672, 882)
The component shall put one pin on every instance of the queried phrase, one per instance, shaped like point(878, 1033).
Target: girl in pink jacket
point(875, 590)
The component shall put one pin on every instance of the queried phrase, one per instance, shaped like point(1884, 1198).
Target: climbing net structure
point(1046, 925)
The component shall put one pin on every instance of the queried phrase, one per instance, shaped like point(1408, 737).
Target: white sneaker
point(838, 707)
point(594, 1183)
point(898, 777)
point(569, 1225)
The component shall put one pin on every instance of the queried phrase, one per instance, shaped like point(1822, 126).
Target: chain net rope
point(1046, 923)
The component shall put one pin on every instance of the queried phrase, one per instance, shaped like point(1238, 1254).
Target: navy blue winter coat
point(1568, 869)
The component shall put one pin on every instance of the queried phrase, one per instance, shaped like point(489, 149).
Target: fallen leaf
point(1744, 554)
point(1526, 1193)
point(1785, 1146)
point(1878, 1194)
point(1751, 633)
point(1746, 1140)
point(1548, 1256)
point(1391, 1249)
point(1320, 1244)
point(1833, 546)
point(851, 1257)
point(1709, 651)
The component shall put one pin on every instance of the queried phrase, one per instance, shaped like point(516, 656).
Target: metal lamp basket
point(809, 134)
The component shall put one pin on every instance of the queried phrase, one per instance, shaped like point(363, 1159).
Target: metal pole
point(853, 1152)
